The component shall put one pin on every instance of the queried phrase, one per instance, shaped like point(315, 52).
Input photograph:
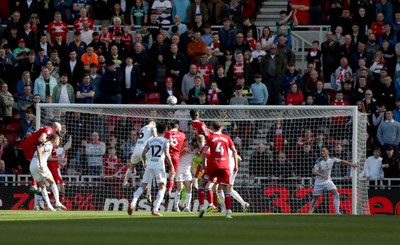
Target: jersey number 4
point(219, 148)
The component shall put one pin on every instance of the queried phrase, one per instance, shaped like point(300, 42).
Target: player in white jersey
point(322, 170)
point(145, 134)
point(184, 176)
point(155, 154)
point(234, 193)
point(41, 173)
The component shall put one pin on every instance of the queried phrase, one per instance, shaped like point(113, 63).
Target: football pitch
point(115, 228)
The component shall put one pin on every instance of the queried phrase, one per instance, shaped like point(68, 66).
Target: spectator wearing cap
point(63, 92)
point(168, 90)
point(77, 45)
point(21, 51)
point(389, 133)
point(132, 81)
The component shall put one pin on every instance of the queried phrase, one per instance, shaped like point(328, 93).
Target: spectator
point(260, 164)
point(193, 94)
point(168, 90)
point(238, 98)
point(226, 35)
point(377, 26)
point(216, 10)
point(385, 7)
point(45, 84)
point(260, 91)
point(282, 168)
point(389, 133)
point(63, 92)
point(163, 9)
point(316, 12)
point(57, 27)
point(25, 122)
point(86, 33)
point(291, 76)
point(8, 100)
point(273, 74)
point(111, 85)
point(300, 11)
point(295, 96)
point(95, 150)
point(139, 14)
point(390, 163)
point(195, 48)
point(215, 96)
point(396, 111)
point(206, 36)
point(95, 81)
point(258, 51)
point(338, 77)
point(206, 70)
point(338, 37)
point(73, 68)
point(285, 50)
point(85, 92)
point(373, 166)
point(387, 93)
point(78, 23)
point(388, 35)
point(117, 12)
point(314, 56)
point(199, 24)
point(329, 50)
point(25, 100)
point(21, 52)
point(177, 22)
point(266, 38)
point(281, 32)
point(320, 96)
point(89, 58)
point(285, 19)
point(4, 170)
point(247, 92)
point(197, 7)
point(112, 165)
point(77, 45)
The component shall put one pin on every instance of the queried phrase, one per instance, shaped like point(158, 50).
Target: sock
point(201, 194)
point(33, 182)
point(54, 189)
point(127, 174)
point(46, 198)
point(215, 199)
point(228, 201)
point(177, 198)
point(136, 196)
point(313, 202)
point(210, 197)
point(35, 201)
point(160, 197)
point(336, 203)
point(170, 186)
point(221, 195)
point(237, 197)
point(148, 190)
point(188, 199)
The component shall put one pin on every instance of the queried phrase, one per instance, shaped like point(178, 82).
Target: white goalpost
point(278, 145)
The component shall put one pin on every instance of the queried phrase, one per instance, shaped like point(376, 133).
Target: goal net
point(278, 146)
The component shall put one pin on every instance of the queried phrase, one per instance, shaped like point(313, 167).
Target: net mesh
point(278, 147)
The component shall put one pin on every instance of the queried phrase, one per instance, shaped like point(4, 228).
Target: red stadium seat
point(154, 98)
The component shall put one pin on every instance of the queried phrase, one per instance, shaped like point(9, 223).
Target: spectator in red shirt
point(57, 27)
point(301, 15)
point(295, 96)
point(377, 26)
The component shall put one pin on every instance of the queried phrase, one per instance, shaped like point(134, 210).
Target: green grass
point(115, 228)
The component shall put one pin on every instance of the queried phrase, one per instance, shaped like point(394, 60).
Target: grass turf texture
point(43, 227)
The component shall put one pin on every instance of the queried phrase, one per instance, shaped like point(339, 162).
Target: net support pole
point(354, 158)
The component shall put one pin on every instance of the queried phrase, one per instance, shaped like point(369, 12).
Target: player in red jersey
point(198, 126)
point(30, 144)
point(178, 143)
point(217, 167)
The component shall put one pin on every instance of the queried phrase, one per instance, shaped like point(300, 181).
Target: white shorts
point(232, 178)
point(319, 188)
point(38, 174)
point(136, 156)
point(159, 174)
point(183, 174)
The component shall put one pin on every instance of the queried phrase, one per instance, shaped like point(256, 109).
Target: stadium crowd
point(147, 51)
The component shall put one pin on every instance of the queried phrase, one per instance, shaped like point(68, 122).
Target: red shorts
point(56, 176)
point(175, 161)
point(217, 175)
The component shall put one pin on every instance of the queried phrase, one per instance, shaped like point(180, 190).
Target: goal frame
point(353, 109)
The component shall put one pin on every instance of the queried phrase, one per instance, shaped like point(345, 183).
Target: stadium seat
point(154, 98)
point(12, 127)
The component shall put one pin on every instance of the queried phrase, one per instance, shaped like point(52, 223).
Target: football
point(172, 100)
point(181, 206)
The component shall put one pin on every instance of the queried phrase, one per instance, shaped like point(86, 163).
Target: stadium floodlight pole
point(355, 160)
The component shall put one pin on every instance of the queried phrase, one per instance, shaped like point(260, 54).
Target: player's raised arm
point(354, 165)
